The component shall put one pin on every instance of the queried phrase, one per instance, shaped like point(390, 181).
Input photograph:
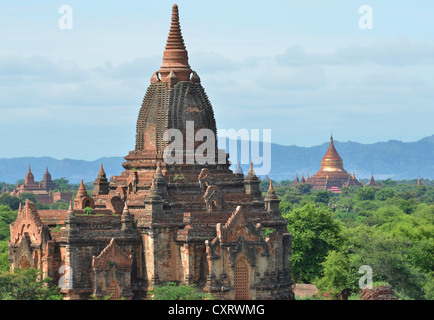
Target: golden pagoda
point(332, 175)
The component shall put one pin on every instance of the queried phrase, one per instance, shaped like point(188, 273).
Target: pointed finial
point(175, 55)
point(271, 195)
point(126, 210)
point(270, 188)
point(251, 168)
point(238, 169)
point(20, 208)
point(70, 212)
point(251, 174)
point(101, 170)
point(81, 190)
point(195, 78)
point(171, 79)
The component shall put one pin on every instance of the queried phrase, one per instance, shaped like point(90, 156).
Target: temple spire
point(175, 57)
point(251, 174)
point(81, 190)
point(101, 172)
point(29, 179)
point(270, 188)
point(238, 169)
point(175, 40)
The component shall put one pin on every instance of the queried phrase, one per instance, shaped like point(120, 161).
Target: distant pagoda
point(332, 175)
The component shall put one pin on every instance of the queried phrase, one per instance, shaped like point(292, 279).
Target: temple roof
point(29, 180)
point(101, 172)
point(174, 102)
point(47, 175)
point(81, 191)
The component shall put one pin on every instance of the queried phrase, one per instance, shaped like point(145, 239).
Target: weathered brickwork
point(157, 222)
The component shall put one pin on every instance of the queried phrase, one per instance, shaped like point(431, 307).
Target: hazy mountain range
point(392, 159)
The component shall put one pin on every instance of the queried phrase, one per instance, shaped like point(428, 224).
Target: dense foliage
point(172, 291)
point(24, 285)
point(388, 228)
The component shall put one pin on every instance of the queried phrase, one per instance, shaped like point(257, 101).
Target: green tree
point(7, 216)
point(292, 195)
point(389, 182)
point(408, 206)
point(428, 287)
point(88, 210)
point(303, 188)
point(30, 196)
point(61, 204)
point(315, 233)
point(24, 285)
point(11, 201)
point(172, 291)
point(384, 194)
point(322, 196)
point(389, 258)
point(4, 262)
point(422, 254)
point(63, 184)
point(339, 273)
point(365, 193)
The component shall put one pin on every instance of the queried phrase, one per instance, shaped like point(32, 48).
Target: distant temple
point(332, 175)
point(372, 182)
point(43, 190)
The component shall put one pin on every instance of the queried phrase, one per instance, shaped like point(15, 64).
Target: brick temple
point(186, 222)
point(43, 190)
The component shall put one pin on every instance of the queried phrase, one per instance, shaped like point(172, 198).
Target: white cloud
point(399, 51)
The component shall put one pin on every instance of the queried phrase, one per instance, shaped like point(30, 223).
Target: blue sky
point(299, 68)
